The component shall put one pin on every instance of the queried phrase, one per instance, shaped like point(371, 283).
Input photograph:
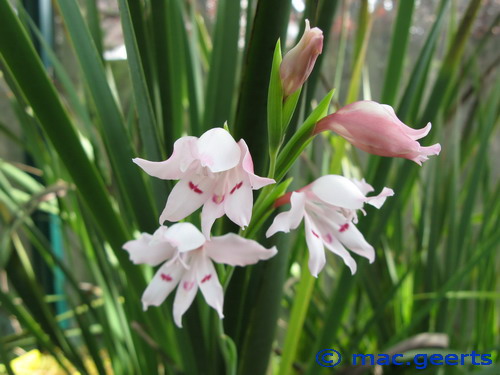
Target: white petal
point(338, 191)
point(288, 220)
point(237, 251)
point(315, 245)
point(173, 167)
point(218, 150)
point(164, 281)
point(336, 247)
point(256, 182)
point(184, 236)
point(208, 282)
point(212, 210)
point(147, 251)
point(363, 186)
point(238, 203)
point(378, 200)
point(186, 197)
point(185, 294)
point(352, 238)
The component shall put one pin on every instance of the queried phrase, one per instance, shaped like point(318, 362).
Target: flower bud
point(299, 61)
point(375, 128)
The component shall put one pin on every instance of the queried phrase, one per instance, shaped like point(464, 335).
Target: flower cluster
point(216, 172)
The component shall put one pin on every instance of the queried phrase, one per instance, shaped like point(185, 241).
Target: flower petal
point(174, 167)
point(145, 250)
point(208, 282)
point(336, 247)
point(212, 210)
point(239, 203)
point(256, 182)
point(338, 191)
point(288, 220)
point(185, 294)
point(378, 200)
point(315, 245)
point(218, 150)
point(186, 197)
point(236, 251)
point(184, 237)
point(164, 281)
point(354, 240)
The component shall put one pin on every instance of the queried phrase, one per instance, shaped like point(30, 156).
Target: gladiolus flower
point(375, 128)
point(187, 259)
point(299, 61)
point(214, 172)
point(328, 207)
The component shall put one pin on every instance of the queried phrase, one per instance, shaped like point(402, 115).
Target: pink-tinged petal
point(218, 150)
point(317, 258)
point(286, 221)
point(352, 238)
point(363, 186)
point(186, 197)
point(424, 153)
point(186, 291)
point(336, 247)
point(184, 237)
point(174, 167)
point(236, 251)
point(256, 182)
point(238, 203)
point(146, 251)
point(208, 282)
point(378, 200)
point(338, 191)
point(212, 210)
point(164, 281)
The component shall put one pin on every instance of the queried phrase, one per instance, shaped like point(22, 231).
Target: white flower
point(187, 264)
point(328, 206)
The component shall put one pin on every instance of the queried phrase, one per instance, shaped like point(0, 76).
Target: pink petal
point(212, 210)
point(208, 282)
point(236, 251)
point(354, 240)
point(424, 153)
point(218, 150)
point(378, 200)
point(186, 291)
point(164, 281)
point(338, 191)
point(336, 247)
point(146, 251)
point(174, 167)
point(288, 220)
point(315, 245)
point(363, 186)
point(184, 237)
point(186, 197)
point(256, 182)
point(238, 204)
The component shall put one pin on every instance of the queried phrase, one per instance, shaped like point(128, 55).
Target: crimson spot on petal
point(344, 227)
point(236, 187)
point(217, 199)
point(165, 277)
point(206, 278)
point(195, 188)
point(329, 238)
point(315, 234)
point(188, 285)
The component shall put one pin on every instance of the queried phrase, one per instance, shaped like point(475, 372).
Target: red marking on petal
point(165, 277)
point(329, 238)
point(344, 227)
point(195, 188)
point(188, 285)
point(236, 187)
point(315, 234)
point(206, 278)
point(218, 199)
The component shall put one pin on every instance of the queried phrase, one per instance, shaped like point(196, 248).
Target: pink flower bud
point(299, 61)
point(375, 128)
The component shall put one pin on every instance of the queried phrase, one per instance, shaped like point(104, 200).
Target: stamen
point(206, 278)
point(165, 277)
point(218, 199)
point(195, 188)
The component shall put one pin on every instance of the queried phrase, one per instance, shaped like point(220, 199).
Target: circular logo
point(328, 358)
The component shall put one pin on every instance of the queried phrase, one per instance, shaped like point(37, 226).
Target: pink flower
point(299, 61)
point(214, 172)
point(328, 207)
point(187, 264)
point(376, 129)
